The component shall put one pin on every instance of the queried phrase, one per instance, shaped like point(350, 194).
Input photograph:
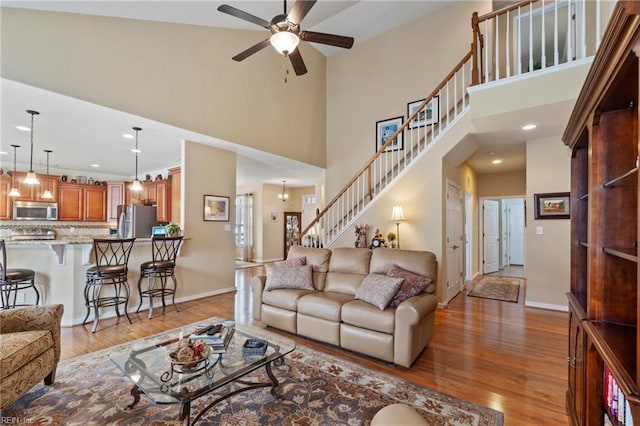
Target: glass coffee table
point(147, 364)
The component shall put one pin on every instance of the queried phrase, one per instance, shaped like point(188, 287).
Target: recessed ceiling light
point(497, 161)
point(95, 165)
point(529, 127)
point(127, 136)
point(3, 153)
point(135, 150)
point(23, 128)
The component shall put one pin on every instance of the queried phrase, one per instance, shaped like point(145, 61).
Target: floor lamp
point(397, 216)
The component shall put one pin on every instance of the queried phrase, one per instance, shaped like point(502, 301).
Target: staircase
point(527, 37)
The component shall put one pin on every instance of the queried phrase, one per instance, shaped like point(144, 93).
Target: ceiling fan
point(286, 33)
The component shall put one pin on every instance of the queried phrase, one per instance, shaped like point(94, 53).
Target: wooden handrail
point(505, 9)
point(368, 164)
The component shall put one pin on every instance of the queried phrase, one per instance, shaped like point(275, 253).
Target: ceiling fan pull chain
point(286, 72)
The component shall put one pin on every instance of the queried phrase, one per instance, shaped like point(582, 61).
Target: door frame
point(481, 227)
point(449, 293)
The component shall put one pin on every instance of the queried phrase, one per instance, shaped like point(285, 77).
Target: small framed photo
point(385, 129)
point(429, 115)
point(216, 208)
point(553, 205)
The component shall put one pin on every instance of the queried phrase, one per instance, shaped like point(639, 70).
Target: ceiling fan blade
point(225, 8)
point(299, 10)
point(330, 39)
point(297, 62)
point(250, 51)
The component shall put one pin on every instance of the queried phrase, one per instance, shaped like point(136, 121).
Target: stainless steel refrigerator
point(136, 220)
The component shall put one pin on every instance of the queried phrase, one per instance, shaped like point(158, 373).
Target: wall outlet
point(539, 230)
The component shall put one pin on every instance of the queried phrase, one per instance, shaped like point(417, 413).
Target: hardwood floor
point(498, 354)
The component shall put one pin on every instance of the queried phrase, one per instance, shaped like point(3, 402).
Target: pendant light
point(14, 189)
point(46, 195)
point(136, 186)
point(31, 178)
point(283, 196)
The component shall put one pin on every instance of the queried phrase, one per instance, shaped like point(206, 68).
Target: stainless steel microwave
point(34, 210)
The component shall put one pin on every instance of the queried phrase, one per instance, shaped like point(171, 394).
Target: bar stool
point(13, 280)
point(164, 251)
point(112, 258)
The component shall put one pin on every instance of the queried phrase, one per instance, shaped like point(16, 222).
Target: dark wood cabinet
point(81, 202)
point(6, 205)
point(291, 230)
point(604, 338)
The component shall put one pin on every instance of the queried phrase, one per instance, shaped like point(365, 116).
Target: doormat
point(498, 288)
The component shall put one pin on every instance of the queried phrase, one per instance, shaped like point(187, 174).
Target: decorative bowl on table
point(189, 356)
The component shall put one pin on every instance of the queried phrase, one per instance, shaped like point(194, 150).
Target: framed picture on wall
point(429, 115)
point(216, 208)
point(385, 129)
point(552, 205)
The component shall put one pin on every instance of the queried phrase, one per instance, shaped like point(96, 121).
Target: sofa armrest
point(257, 287)
point(46, 317)
point(412, 310)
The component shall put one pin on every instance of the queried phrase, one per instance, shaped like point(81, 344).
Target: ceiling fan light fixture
point(284, 42)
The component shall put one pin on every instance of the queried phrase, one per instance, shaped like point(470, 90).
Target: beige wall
point(547, 256)
point(177, 74)
point(207, 260)
point(502, 184)
point(377, 78)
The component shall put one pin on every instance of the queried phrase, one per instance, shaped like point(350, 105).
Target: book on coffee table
point(216, 336)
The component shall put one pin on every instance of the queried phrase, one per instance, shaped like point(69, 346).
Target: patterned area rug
point(316, 389)
point(498, 288)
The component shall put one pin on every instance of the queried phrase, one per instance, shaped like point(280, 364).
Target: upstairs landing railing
point(522, 38)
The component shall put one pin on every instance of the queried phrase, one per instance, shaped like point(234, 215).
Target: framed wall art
point(385, 129)
point(553, 205)
point(216, 208)
point(429, 115)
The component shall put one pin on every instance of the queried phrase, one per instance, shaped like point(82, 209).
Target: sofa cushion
point(318, 258)
point(378, 290)
point(365, 315)
point(350, 260)
point(19, 348)
point(418, 262)
point(283, 298)
point(292, 261)
point(290, 277)
point(412, 284)
point(325, 305)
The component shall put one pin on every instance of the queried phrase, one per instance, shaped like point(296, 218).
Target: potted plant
point(172, 229)
point(391, 236)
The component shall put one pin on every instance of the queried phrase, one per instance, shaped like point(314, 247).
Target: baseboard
point(157, 304)
point(562, 308)
point(268, 260)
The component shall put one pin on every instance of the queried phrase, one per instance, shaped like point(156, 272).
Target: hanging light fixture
point(46, 195)
point(14, 189)
point(283, 196)
point(136, 186)
point(31, 178)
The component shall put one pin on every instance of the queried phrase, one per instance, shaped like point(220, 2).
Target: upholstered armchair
point(29, 349)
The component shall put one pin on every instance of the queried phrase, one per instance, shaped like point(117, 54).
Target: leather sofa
point(29, 349)
point(331, 313)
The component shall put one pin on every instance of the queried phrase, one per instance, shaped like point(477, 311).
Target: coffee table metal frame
point(147, 364)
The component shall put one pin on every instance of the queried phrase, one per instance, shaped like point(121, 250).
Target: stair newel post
point(475, 72)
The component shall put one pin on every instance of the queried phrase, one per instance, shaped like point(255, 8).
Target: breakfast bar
point(61, 265)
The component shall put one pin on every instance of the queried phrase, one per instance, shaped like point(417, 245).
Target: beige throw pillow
point(378, 290)
point(291, 277)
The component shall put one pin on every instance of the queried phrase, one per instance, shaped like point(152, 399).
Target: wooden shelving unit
point(604, 339)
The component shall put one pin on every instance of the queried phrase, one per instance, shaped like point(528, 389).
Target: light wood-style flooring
point(499, 354)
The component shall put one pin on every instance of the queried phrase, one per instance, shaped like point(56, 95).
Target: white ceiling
point(80, 133)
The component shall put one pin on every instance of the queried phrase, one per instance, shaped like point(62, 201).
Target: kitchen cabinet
point(34, 192)
point(80, 202)
point(176, 179)
point(163, 200)
point(115, 197)
point(6, 205)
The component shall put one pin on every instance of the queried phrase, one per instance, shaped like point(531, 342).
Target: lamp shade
point(397, 215)
point(136, 186)
point(285, 42)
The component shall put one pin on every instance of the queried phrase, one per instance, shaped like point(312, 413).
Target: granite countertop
point(68, 239)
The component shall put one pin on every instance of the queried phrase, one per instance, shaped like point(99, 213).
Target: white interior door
point(490, 236)
point(455, 260)
point(468, 235)
point(516, 231)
